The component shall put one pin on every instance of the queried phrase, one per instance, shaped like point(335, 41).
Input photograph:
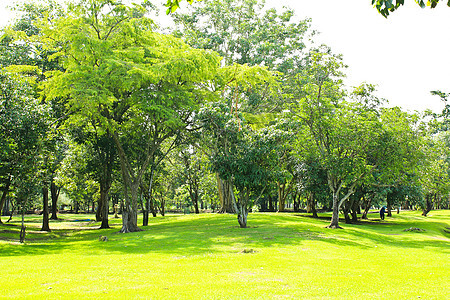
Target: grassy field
point(207, 256)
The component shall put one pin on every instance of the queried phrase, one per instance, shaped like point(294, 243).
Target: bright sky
point(406, 55)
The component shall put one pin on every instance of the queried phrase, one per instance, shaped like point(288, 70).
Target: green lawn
point(207, 256)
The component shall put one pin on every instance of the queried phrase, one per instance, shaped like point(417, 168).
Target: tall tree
point(23, 123)
point(140, 85)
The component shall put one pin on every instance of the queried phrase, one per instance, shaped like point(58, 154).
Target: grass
point(207, 256)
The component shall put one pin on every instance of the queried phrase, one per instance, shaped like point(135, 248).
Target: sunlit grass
point(208, 256)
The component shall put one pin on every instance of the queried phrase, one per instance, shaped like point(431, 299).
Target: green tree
point(385, 7)
point(141, 85)
point(23, 122)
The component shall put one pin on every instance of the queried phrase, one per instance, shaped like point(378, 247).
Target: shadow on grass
point(208, 234)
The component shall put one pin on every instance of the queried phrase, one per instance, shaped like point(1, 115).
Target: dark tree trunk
point(389, 210)
point(45, 221)
point(428, 205)
point(4, 194)
point(23, 228)
point(194, 198)
point(6, 208)
point(296, 202)
point(281, 197)
point(366, 207)
point(354, 211)
point(153, 207)
point(103, 205)
point(99, 211)
point(346, 210)
point(271, 206)
point(76, 206)
point(163, 207)
point(54, 191)
point(148, 199)
point(312, 205)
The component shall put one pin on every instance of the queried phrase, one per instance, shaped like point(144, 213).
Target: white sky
point(406, 55)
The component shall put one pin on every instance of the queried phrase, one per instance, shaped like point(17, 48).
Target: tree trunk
point(335, 216)
point(4, 194)
point(271, 206)
point(242, 207)
point(226, 195)
point(148, 199)
point(129, 218)
point(54, 191)
point(6, 208)
point(428, 205)
point(354, 210)
point(77, 206)
point(311, 206)
point(346, 210)
point(23, 228)
point(103, 205)
point(194, 197)
point(153, 207)
point(281, 197)
point(389, 210)
point(99, 211)
point(145, 208)
point(366, 208)
point(296, 202)
point(45, 222)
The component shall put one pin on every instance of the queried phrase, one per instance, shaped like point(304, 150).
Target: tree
point(244, 32)
point(172, 5)
point(23, 124)
point(26, 54)
point(100, 159)
point(385, 7)
point(140, 85)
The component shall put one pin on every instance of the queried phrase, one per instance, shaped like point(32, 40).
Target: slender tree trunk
point(148, 198)
point(54, 191)
point(45, 221)
point(296, 202)
point(313, 206)
point(4, 194)
point(281, 197)
point(23, 228)
point(145, 208)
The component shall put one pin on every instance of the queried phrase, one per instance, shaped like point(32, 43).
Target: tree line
point(236, 109)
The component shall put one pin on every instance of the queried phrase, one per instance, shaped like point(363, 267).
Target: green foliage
point(385, 7)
